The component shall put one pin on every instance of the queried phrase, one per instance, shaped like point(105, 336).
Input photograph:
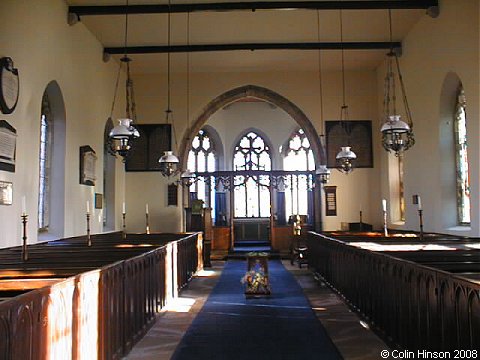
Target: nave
point(213, 320)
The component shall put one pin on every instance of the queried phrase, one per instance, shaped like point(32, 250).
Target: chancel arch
point(254, 92)
point(51, 188)
point(258, 92)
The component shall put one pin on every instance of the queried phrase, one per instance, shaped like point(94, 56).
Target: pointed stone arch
point(254, 91)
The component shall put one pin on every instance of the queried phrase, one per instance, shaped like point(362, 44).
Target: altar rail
point(101, 313)
point(414, 306)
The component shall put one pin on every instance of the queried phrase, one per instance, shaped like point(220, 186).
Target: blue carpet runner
point(282, 326)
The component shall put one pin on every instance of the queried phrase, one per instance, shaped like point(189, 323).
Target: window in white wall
point(202, 158)
point(297, 155)
point(461, 150)
point(252, 194)
point(46, 133)
point(401, 187)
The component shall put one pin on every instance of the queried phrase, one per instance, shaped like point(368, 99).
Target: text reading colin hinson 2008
point(425, 354)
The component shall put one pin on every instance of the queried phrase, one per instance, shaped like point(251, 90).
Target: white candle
point(24, 205)
point(88, 207)
point(123, 208)
point(146, 208)
point(419, 202)
point(384, 204)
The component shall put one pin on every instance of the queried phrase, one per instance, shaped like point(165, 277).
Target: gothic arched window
point(202, 158)
point(461, 151)
point(252, 195)
point(46, 133)
point(298, 155)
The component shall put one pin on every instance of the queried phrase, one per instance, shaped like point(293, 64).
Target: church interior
point(306, 169)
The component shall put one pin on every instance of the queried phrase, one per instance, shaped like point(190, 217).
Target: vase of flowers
point(256, 278)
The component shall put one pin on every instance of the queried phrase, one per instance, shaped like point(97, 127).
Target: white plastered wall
point(44, 48)
point(434, 48)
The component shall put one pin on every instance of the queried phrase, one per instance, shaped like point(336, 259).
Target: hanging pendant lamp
point(123, 134)
point(345, 156)
point(169, 161)
point(397, 135)
point(322, 172)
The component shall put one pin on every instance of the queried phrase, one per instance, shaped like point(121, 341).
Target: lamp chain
point(343, 57)
point(116, 89)
point(344, 108)
point(320, 75)
point(404, 94)
point(188, 75)
point(169, 114)
point(168, 61)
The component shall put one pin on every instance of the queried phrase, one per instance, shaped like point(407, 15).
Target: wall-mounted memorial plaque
point(6, 193)
point(354, 133)
point(88, 161)
point(8, 138)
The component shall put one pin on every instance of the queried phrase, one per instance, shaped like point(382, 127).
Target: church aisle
point(282, 326)
point(355, 342)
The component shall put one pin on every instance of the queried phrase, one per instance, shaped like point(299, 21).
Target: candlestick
point(24, 237)
point(361, 221)
point(147, 226)
point(24, 205)
point(385, 230)
point(124, 233)
point(420, 217)
point(89, 240)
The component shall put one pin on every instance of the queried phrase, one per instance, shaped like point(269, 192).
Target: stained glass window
point(401, 187)
point(45, 158)
point(202, 158)
point(252, 194)
point(298, 156)
point(461, 147)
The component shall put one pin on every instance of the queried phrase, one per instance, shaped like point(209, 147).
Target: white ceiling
point(270, 26)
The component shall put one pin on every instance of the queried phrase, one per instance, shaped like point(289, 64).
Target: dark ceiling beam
point(253, 46)
point(252, 6)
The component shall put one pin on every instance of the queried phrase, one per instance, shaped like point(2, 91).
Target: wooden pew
point(410, 304)
point(72, 301)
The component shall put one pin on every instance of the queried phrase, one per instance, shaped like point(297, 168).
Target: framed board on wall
point(330, 200)
point(154, 140)
point(8, 139)
point(354, 133)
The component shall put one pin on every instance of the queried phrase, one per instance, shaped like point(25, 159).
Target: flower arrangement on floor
point(256, 277)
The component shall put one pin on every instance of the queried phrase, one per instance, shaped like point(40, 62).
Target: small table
point(256, 278)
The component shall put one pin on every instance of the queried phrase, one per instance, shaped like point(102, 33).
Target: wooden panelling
point(221, 238)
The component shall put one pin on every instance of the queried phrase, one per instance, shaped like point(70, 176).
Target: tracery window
point(461, 150)
point(252, 194)
point(298, 155)
point(202, 158)
point(45, 157)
